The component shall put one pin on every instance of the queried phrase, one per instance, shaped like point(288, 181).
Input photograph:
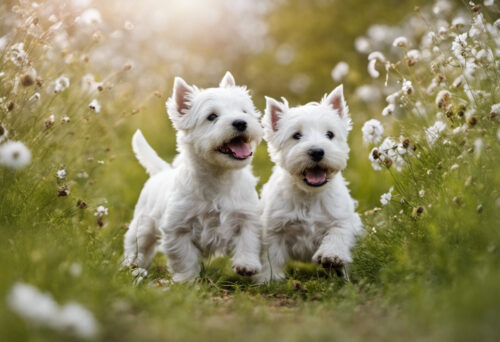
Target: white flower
point(101, 211)
point(386, 198)
point(91, 16)
point(421, 193)
point(442, 98)
point(17, 55)
point(392, 98)
point(41, 309)
point(372, 132)
point(375, 161)
point(82, 174)
point(61, 84)
point(362, 45)
point(495, 109)
point(285, 54)
point(489, 2)
point(89, 84)
point(478, 27)
point(457, 83)
point(414, 54)
point(407, 87)
point(14, 154)
point(459, 46)
point(31, 304)
point(368, 93)
point(34, 98)
point(340, 71)
point(400, 42)
point(389, 109)
point(454, 167)
point(434, 132)
point(75, 269)
point(95, 106)
point(61, 173)
point(372, 61)
point(79, 321)
point(374, 230)
point(458, 22)
point(66, 119)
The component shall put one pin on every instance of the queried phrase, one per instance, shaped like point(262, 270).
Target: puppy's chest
point(212, 230)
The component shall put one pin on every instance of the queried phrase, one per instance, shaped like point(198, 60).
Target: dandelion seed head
point(372, 131)
point(362, 45)
point(101, 211)
point(61, 84)
point(90, 16)
point(340, 71)
point(95, 106)
point(14, 155)
point(434, 132)
point(61, 173)
point(386, 198)
point(407, 87)
point(368, 93)
point(400, 42)
point(389, 109)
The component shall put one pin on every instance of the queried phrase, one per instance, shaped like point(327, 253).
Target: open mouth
point(237, 148)
point(315, 176)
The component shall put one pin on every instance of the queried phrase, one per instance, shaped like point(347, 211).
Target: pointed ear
point(336, 100)
point(181, 96)
point(274, 111)
point(227, 81)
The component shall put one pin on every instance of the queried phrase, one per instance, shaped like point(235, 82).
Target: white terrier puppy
point(308, 213)
point(206, 202)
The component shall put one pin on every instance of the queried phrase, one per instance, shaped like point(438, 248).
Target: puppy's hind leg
point(140, 242)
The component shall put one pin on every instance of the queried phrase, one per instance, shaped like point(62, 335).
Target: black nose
point(316, 154)
point(240, 125)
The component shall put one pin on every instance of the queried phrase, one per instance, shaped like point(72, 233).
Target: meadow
point(78, 77)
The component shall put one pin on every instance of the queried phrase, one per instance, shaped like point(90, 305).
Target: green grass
point(433, 276)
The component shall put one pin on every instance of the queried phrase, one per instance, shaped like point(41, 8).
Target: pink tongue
point(315, 176)
point(239, 148)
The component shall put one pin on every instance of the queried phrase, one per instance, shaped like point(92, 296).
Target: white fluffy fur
point(206, 202)
point(302, 222)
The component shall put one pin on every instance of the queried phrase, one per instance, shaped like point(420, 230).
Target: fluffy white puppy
point(206, 202)
point(308, 213)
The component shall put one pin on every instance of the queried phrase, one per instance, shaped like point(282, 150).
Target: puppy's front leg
point(275, 256)
point(335, 249)
point(246, 249)
point(182, 254)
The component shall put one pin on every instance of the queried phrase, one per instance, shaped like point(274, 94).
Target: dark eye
point(330, 135)
point(212, 117)
point(297, 136)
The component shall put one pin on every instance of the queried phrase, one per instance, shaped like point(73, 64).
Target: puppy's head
point(220, 125)
point(309, 141)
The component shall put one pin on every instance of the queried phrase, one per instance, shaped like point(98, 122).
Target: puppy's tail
point(146, 155)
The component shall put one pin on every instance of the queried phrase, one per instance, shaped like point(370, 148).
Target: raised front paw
point(331, 260)
point(247, 269)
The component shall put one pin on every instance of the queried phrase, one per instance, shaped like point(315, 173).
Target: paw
point(247, 269)
point(331, 260)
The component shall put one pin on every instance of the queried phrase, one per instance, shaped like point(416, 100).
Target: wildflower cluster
point(435, 69)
